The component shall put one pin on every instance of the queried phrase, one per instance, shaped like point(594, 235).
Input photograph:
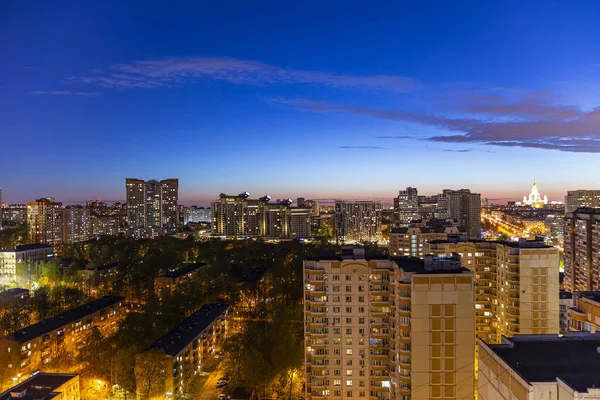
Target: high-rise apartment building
point(409, 241)
point(358, 221)
point(388, 328)
point(105, 219)
point(516, 285)
point(76, 224)
point(582, 250)
point(196, 214)
point(152, 206)
point(581, 199)
point(584, 312)
point(14, 214)
point(465, 207)
point(44, 222)
point(236, 216)
point(406, 205)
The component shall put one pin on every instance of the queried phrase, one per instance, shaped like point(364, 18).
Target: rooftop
point(174, 341)
point(70, 316)
point(183, 270)
point(26, 247)
point(594, 296)
point(38, 387)
point(430, 265)
point(543, 358)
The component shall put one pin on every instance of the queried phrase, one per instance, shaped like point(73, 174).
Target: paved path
point(209, 391)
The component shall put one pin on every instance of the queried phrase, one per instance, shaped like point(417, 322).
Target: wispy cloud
point(64, 93)
point(179, 71)
point(394, 137)
point(457, 151)
point(363, 147)
point(551, 128)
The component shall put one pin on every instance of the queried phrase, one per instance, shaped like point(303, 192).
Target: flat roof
point(40, 386)
point(14, 291)
point(26, 247)
point(174, 341)
point(543, 358)
point(417, 266)
point(183, 270)
point(68, 317)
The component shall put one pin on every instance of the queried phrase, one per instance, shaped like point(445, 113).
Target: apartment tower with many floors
point(388, 328)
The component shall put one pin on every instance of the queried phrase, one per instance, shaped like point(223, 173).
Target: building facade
point(465, 207)
point(151, 206)
point(45, 386)
point(388, 328)
point(186, 347)
point(27, 253)
point(533, 367)
point(582, 250)
point(585, 312)
point(410, 241)
point(13, 214)
point(197, 214)
point(241, 216)
point(516, 285)
point(63, 334)
point(76, 224)
point(44, 222)
point(581, 199)
point(357, 221)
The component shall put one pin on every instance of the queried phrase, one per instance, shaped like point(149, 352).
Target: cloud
point(363, 147)
point(64, 93)
point(179, 71)
point(394, 137)
point(572, 131)
point(457, 151)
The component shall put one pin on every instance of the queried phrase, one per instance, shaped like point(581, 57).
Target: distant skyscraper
point(197, 214)
point(465, 207)
point(239, 215)
point(301, 201)
point(582, 249)
point(76, 224)
point(535, 200)
point(358, 221)
point(44, 222)
point(314, 207)
point(581, 198)
point(152, 205)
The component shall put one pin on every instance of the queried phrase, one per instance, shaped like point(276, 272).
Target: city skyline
point(284, 102)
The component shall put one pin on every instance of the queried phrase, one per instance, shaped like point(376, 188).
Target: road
point(209, 391)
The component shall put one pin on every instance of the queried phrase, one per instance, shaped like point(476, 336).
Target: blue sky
point(317, 99)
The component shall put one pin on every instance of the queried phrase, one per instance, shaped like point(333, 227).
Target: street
point(209, 391)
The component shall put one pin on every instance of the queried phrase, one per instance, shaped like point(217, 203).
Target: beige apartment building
point(45, 386)
point(388, 328)
point(585, 312)
point(63, 334)
point(516, 285)
point(533, 367)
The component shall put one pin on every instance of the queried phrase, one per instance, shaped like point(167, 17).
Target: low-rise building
point(64, 333)
point(166, 283)
point(186, 347)
point(27, 253)
point(585, 312)
point(532, 367)
point(14, 294)
point(44, 386)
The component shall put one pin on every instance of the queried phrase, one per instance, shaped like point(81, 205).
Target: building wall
point(67, 339)
point(69, 390)
point(358, 221)
point(44, 223)
point(443, 336)
point(585, 314)
point(496, 380)
point(582, 251)
point(10, 259)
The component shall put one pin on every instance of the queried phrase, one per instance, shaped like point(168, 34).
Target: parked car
point(221, 384)
point(223, 397)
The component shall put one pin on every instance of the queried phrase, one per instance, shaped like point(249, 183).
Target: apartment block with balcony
point(582, 250)
point(516, 284)
point(585, 312)
point(188, 344)
point(410, 241)
point(165, 284)
point(64, 333)
point(26, 253)
point(388, 328)
point(44, 222)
